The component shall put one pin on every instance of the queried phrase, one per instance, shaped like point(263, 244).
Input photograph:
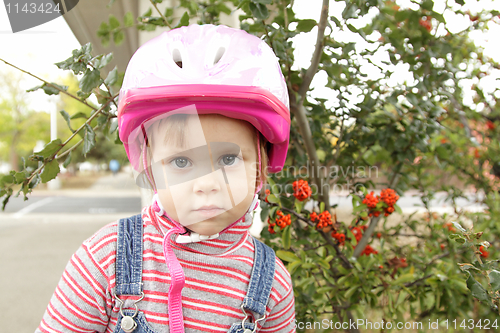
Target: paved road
point(64, 204)
point(38, 236)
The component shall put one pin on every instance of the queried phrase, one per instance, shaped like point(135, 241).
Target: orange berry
point(301, 190)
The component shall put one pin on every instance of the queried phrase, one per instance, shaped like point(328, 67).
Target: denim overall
point(129, 280)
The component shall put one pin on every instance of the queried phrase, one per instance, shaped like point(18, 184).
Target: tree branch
point(311, 71)
point(297, 107)
point(162, 16)
point(49, 84)
point(373, 224)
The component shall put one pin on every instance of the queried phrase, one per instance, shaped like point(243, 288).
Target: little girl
point(203, 114)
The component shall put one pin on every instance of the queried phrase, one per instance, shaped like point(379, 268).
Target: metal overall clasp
point(246, 330)
point(128, 323)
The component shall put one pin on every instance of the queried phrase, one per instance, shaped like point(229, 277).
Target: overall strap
point(261, 280)
point(129, 256)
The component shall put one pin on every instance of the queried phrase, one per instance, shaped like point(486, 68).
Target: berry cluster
point(301, 190)
point(389, 197)
point(282, 221)
point(358, 234)
point(484, 253)
point(371, 200)
point(339, 237)
point(425, 22)
point(268, 192)
point(450, 227)
point(369, 250)
point(358, 231)
point(270, 226)
point(490, 125)
point(324, 219)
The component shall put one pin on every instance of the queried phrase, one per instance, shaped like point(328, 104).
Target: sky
point(37, 49)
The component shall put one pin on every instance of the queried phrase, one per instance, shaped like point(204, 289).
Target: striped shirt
point(217, 273)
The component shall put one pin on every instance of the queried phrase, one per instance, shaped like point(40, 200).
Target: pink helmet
point(219, 69)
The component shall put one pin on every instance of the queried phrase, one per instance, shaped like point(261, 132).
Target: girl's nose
point(209, 183)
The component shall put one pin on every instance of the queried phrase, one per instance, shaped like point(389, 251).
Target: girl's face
point(207, 176)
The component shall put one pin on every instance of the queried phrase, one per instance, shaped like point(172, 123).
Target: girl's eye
point(228, 160)
point(180, 162)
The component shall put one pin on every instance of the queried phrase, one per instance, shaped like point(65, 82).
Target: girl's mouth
point(210, 211)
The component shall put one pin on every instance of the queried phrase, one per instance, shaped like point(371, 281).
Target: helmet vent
point(176, 56)
point(219, 54)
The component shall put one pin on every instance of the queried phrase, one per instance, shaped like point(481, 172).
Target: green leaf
point(102, 119)
point(298, 206)
point(265, 2)
point(5, 201)
point(7, 179)
point(50, 171)
point(103, 60)
point(118, 37)
point(459, 227)
point(184, 21)
point(68, 160)
point(323, 264)
point(128, 20)
point(292, 267)
point(259, 10)
point(286, 237)
point(397, 209)
point(495, 280)
point(477, 289)
point(113, 22)
point(67, 118)
point(89, 139)
point(460, 2)
point(112, 77)
point(169, 12)
point(49, 89)
point(117, 138)
point(273, 199)
point(90, 80)
point(359, 208)
point(19, 177)
point(353, 240)
point(79, 115)
point(113, 125)
point(308, 265)
point(50, 148)
point(287, 256)
point(404, 278)
point(306, 25)
point(351, 291)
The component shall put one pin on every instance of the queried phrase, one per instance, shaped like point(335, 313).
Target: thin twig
point(159, 12)
point(90, 119)
point(50, 84)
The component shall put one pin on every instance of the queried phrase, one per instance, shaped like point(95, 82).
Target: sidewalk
point(34, 250)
